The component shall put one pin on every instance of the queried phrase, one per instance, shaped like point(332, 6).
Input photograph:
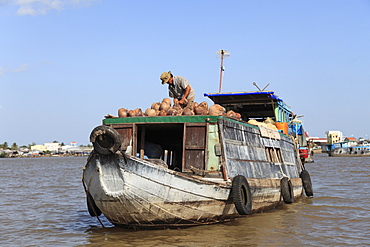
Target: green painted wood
point(166, 119)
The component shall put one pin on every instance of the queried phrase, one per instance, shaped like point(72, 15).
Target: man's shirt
point(178, 88)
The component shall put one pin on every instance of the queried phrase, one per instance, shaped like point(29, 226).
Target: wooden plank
point(142, 142)
point(195, 136)
point(126, 131)
point(195, 139)
point(223, 151)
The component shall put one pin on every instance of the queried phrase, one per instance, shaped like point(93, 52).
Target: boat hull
point(347, 152)
point(140, 194)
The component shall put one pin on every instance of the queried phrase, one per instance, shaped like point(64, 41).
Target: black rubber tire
point(241, 195)
point(306, 181)
point(91, 206)
point(105, 139)
point(287, 190)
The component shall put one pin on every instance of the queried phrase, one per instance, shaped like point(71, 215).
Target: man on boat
point(179, 89)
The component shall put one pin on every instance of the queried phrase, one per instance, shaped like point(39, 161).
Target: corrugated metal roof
point(253, 104)
point(255, 97)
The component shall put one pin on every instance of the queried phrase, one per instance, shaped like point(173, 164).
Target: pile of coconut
point(269, 123)
point(166, 109)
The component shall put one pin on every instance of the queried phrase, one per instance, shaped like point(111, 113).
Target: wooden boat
point(343, 149)
point(212, 168)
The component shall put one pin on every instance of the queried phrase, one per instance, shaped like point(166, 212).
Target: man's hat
point(165, 77)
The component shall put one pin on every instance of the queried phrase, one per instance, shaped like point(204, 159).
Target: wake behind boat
point(175, 171)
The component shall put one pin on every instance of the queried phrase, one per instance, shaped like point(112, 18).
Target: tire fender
point(286, 190)
point(105, 139)
point(306, 182)
point(241, 195)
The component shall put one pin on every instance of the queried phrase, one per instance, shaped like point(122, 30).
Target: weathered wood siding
point(246, 152)
point(127, 132)
point(195, 145)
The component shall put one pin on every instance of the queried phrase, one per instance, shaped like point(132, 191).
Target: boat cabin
point(184, 143)
point(254, 105)
point(195, 143)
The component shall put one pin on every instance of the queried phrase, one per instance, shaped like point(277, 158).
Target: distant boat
point(345, 149)
point(212, 168)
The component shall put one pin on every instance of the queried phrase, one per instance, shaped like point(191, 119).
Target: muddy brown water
point(42, 203)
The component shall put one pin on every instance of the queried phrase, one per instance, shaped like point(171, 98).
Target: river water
point(42, 203)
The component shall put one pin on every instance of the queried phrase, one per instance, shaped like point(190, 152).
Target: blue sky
point(64, 65)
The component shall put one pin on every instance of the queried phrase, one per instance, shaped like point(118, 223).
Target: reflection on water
point(42, 203)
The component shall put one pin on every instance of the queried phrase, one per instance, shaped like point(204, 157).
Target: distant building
point(72, 147)
point(38, 148)
point(351, 141)
point(57, 148)
point(52, 147)
point(319, 142)
point(334, 136)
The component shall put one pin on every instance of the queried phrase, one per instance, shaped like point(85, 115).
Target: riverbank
point(27, 153)
point(44, 155)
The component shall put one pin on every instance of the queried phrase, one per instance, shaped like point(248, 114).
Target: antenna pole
point(223, 53)
point(221, 69)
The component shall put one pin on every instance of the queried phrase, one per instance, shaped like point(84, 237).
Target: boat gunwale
point(177, 120)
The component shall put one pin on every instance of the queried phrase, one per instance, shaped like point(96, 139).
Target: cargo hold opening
point(161, 141)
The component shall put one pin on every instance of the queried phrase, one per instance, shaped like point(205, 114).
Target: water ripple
point(43, 204)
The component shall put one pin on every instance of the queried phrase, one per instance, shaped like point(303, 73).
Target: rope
point(89, 201)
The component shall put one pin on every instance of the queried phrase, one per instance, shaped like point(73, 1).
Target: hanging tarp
point(296, 128)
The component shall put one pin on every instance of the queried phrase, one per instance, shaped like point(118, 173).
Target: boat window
point(274, 155)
